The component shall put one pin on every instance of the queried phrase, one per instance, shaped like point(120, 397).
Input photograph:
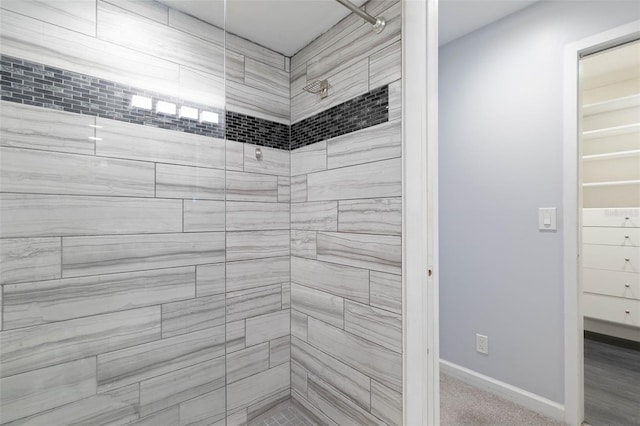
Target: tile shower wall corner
point(346, 189)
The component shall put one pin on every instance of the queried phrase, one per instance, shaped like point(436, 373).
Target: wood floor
point(611, 384)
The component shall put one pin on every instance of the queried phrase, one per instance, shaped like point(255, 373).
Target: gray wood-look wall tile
point(302, 400)
point(116, 407)
point(258, 272)
point(251, 187)
point(355, 46)
point(255, 388)
point(38, 41)
point(63, 299)
point(136, 142)
point(189, 182)
point(345, 85)
point(149, 9)
point(210, 279)
point(235, 336)
point(267, 327)
point(245, 245)
point(29, 259)
point(377, 325)
point(169, 417)
point(298, 324)
point(279, 351)
point(270, 401)
point(273, 162)
point(29, 393)
point(298, 376)
point(316, 216)
point(235, 66)
point(204, 410)
point(286, 295)
point(40, 172)
point(246, 216)
point(203, 215)
point(75, 15)
point(31, 215)
point(144, 361)
point(25, 126)
point(298, 79)
point(343, 281)
point(247, 362)
point(395, 101)
point(380, 363)
point(194, 26)
point(318, 304)
point(254, 301)
point(385, 66)
point(371, 180)
point(284, 189)
point(192, 315)
point(375, 143)
point(377, 252)
point(311, 158)
point(181, 385)
point(30, 348)
point(338, 407)
point(386, 404)
point(116, 25)
point(238, 418)
point(347, 380)
point(303, 243)
point(265, 77)
point(299, 189)
point(338, 31)
point(258, 103)
point(386, 291)
point(122, 253)
point(252, 50)
point(373, 216)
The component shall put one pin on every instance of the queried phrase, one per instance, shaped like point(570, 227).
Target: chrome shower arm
point(378, 23)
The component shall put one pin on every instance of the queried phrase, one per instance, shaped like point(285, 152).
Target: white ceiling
point(461, 17)
point(286, 26)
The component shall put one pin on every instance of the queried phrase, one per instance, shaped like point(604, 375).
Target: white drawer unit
point(611, 283)
point(624, 237)
point(617, 217)
point(612, 258)
point(614, 309)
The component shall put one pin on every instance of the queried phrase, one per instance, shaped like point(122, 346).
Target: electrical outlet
point(482, 344)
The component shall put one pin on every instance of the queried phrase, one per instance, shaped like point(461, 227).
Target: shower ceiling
point(285, 26)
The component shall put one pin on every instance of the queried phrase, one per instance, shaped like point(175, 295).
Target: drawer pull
point(626, 311)
point(627, 285)
point(626, 259)
point(626, 236)
point(626, 218)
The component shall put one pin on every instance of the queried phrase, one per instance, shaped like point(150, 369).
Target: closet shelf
point(612, 155)
point(612, 131)
point(612, 183)
point(611, 105)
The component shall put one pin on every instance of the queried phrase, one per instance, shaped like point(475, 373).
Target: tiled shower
point(187, 237)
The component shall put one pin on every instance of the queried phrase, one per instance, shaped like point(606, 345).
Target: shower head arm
point(377, 22)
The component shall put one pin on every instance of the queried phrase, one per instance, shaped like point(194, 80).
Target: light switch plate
point(547, 219)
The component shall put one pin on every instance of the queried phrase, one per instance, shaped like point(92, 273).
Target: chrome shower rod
point(378, 23)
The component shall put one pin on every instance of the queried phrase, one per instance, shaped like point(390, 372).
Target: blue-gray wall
point(500, 160)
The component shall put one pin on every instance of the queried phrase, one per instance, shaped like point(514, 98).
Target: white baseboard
point(528, 400)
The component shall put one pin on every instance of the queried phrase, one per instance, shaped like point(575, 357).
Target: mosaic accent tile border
point(36, 84)
point(355, 114)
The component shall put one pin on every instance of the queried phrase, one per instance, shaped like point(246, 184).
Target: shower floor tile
point(285, 414)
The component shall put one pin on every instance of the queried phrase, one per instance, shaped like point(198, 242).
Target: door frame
point(571, 216)
point(421, 382)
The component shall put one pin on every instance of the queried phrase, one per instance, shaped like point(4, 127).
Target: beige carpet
point(464, 405)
